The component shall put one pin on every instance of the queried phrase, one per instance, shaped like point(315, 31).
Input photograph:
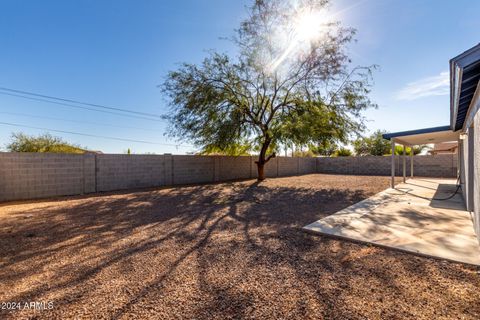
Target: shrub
point(303, 154)
point(399, 150)
point(343, 152)
point(373, 145)
point(42, 143)
point(324, 148)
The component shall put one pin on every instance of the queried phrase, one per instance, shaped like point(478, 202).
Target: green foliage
point(373, 145)
point(311, 96)
point(399, 150)
point(343, 152)
point(129, 151)
point(303, 153)
point(21, 142)
point(419, 149)
point(326, 148)
point(231, 150)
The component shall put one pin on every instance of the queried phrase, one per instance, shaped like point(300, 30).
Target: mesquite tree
point(291, 82)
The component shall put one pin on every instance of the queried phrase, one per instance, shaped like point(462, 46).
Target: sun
point(306, 27)
point(309, 24)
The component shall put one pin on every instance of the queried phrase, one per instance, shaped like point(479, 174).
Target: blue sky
point(115, 53)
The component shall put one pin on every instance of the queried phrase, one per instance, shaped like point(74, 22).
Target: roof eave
point(457, 65)
point(389, 136)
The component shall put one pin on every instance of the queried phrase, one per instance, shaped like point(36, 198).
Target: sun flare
point(309, 25)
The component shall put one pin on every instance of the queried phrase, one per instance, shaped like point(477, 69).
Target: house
point(444, 148)
point(465, 119)
point(464, 128)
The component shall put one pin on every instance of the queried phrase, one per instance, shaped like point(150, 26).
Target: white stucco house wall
point(465, 118)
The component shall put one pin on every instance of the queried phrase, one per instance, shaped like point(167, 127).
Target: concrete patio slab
point(405, 218)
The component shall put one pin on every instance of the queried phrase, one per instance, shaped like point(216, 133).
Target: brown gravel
point(230, 250)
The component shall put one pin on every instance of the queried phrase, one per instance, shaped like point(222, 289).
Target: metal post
point(392, 183)
point(404, 163)
point(411, 162)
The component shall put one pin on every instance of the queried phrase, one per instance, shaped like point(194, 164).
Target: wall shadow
point(226, 250)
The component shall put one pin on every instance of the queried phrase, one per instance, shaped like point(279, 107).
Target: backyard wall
point(442, 165)
point(40, 175)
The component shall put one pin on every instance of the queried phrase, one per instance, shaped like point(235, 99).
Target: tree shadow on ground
point(225, 250)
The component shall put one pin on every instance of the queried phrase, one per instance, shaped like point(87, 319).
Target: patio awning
point(423, 136)
point(417, 137)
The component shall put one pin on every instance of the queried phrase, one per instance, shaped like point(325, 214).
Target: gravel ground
point(230, 250)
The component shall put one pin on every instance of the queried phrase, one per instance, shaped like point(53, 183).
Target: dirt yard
point(230, 250)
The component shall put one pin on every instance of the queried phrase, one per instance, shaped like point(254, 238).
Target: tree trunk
point(263, 159)
point(261, 171)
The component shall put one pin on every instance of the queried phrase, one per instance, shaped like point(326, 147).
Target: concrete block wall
point(193, 169)
point(89, 175)
point(116, 172)
point(307, 165)
point(39, 175)
point(372, 165)
point(288, 166)
point(234, 168)
point(444, 165)
point(343, 165)
point(271, 168)
point(168, 167)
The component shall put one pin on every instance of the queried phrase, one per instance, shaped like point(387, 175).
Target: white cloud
point(438, 85)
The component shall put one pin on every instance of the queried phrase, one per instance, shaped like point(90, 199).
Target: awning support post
point(404, 160)
point(392, 183)
point(411, 161)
